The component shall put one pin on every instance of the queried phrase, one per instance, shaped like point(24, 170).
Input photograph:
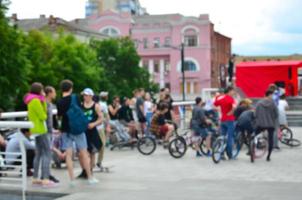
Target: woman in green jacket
point(37, 114)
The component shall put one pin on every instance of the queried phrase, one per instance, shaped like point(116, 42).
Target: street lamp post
point(182, 55)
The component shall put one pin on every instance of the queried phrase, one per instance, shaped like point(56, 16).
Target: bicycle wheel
point(293, 142)
point(217, 150)
point(252, 150)
point(260, 146)
point(286, 135)
point(178, 147)
point(236, 147)
point(203, 147)
point(146, 145)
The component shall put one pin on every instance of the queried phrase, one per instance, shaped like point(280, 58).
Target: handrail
point(23, 172)
point(10, 115)
point(16, 124)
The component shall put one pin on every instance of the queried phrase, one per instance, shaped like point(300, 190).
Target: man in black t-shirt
point(68, 139)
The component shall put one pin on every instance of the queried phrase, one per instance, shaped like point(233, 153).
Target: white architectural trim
point(189, 59)
point(151, 68)
point(189, 27)
point(162, 73)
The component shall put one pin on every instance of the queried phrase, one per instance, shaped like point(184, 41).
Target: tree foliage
point(122, 73)
point(111, 65)
point(13, 62)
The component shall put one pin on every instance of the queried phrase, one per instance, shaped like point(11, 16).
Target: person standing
point(94, 116)
point(104, 129)
point(37, 114)
point(276, 98)
point(266, 118)
point(51, 94)
point(148, 108)
point(68, 138)
point(227, 104)
point(140, 110)
point(282, 107)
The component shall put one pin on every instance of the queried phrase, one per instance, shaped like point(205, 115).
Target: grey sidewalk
point(160, 176)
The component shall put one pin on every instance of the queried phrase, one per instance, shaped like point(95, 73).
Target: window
point(145, 41)
point(146, 64)
point(110, 31)
point(136, 43)
point(191, 40)
point(156, 66)
point(190, 36)
point(167, 41)
point(190, 66)
point(191, 87)
point(156, 42)
point(167, 66)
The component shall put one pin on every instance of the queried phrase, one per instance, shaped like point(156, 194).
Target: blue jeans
point(149, 118)
point(228, 129)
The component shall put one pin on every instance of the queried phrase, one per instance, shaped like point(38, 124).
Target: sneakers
point(209, 154)
point(48, 184)
point(53, 179)
point(198, 154)
point(83, 175)
point(93, 181)
point(36, 182)
point(71, 184)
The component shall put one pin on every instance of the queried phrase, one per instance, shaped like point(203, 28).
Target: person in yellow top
point(37, 114)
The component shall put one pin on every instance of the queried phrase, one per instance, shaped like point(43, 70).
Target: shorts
point(200, 132)
point(163, 130)
point(68, 139)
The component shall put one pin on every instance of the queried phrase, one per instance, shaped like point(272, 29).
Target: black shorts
point(142, 119)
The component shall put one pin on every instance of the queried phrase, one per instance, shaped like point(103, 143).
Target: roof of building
point(292, 63)
point(53, 22)
point(170, 18)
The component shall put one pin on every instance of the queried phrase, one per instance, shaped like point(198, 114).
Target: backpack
point(78, 123)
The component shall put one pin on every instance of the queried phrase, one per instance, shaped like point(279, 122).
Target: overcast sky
point(258, 27)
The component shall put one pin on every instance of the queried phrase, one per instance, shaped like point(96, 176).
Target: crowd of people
point(84, 125)
point(241, 117)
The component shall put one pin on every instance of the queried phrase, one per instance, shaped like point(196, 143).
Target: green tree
point(120, 61)
point(57, 57)
point(13, 62)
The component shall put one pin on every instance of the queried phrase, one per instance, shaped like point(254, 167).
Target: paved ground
point(160, 176)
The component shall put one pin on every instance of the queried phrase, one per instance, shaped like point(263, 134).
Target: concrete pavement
point(160, 176)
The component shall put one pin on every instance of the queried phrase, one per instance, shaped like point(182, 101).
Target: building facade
point(158, 39)
point(97, 7)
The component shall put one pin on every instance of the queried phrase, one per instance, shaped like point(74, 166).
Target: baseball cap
point(88, 91)
point(103, 94)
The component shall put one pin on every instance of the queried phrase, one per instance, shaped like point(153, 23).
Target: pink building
point(205, 50)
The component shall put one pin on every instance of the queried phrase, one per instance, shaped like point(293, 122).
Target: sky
point(257, 27)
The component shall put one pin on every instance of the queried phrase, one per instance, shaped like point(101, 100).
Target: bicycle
point(179, 145)
point(219, 147)
point(285, 136)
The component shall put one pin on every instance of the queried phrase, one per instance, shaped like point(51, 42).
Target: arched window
point(190, 36)
point(191, 65)
point(110, 31)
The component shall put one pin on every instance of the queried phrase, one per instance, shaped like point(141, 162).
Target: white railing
point(10, 115)
point(11, 177)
